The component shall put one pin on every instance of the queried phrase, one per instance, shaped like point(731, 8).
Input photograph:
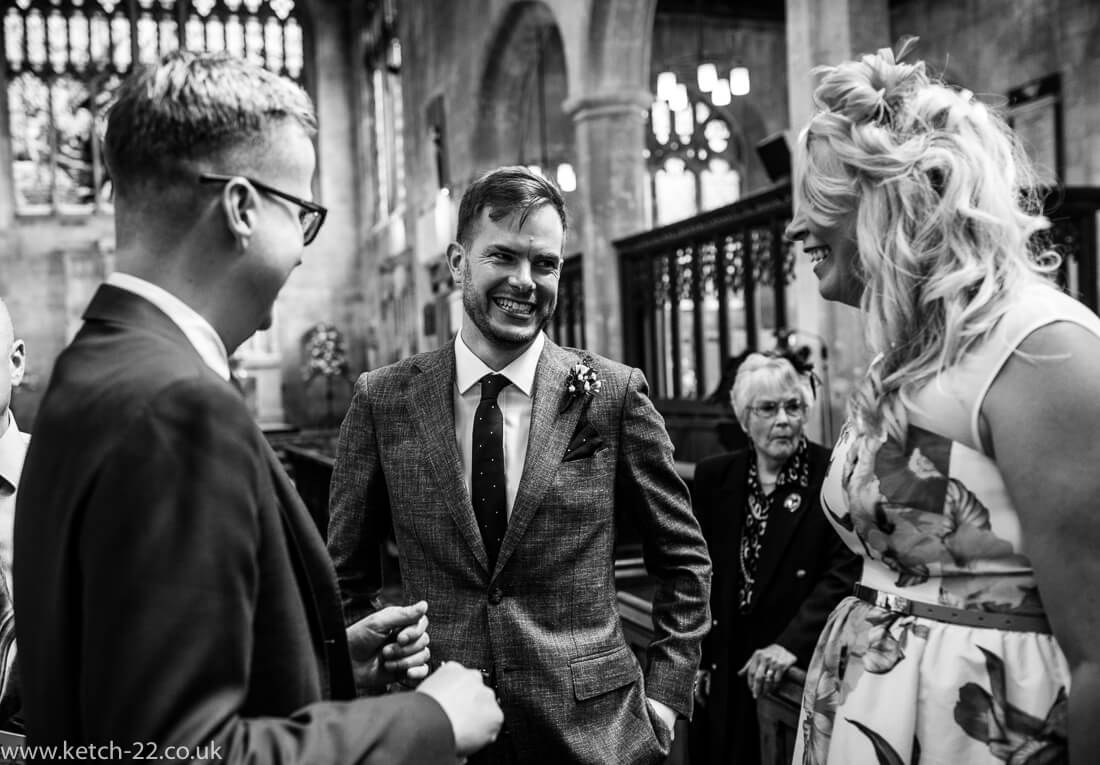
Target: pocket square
point(586, 442)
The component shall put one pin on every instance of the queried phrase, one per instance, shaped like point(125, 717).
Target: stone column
point(610, 134)
point(828, 33)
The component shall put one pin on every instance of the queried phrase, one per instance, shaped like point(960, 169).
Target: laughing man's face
point(510, 279)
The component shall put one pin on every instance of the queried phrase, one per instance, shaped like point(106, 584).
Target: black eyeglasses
point(311, 215)
point(769, 410)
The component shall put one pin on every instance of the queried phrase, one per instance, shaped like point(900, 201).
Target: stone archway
point(596, 116)
point(523, 85)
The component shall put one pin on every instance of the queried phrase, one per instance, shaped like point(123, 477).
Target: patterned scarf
point(796, 472)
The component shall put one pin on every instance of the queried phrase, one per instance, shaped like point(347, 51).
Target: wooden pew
point(777, 711)
point(778, 716)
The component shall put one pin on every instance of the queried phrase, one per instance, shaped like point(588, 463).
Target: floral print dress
point(934, 523)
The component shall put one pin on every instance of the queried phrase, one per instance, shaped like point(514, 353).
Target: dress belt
point(966, 617)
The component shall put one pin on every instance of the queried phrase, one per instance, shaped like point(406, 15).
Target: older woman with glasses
point(779, 568)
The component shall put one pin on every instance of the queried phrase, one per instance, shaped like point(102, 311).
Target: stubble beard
point(477, 307)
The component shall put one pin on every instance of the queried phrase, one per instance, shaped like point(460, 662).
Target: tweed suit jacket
point(543, 622)
point(173, 590)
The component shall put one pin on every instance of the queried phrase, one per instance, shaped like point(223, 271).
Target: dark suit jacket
point(544, 622)
point(172, 587)
point(804, 570)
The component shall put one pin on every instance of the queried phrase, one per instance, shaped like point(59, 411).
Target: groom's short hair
point(507, 191)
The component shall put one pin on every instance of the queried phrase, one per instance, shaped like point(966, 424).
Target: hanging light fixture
point(567, 179)
point(691, 156)
point(666, 85)
point(682, 107)
point(393, 56)
point(679, 100)
point(708, 76)
point(739, 81)
point(720, 96)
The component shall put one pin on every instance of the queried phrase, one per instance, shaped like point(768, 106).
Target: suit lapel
point(432, 405)
point(547, 441)
point(731, 507)
point(788, 509)
point(318, 582)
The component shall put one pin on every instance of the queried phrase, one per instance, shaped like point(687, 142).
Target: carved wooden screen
point(65, 58)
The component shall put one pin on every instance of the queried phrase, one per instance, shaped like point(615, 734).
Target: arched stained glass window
point(694, 159)
point(66, 58)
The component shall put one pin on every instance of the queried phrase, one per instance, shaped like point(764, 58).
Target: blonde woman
point(967, 474)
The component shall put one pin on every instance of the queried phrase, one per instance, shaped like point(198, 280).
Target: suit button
point(496, 595)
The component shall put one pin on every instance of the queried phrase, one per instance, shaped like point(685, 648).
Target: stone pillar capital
point(632, 103)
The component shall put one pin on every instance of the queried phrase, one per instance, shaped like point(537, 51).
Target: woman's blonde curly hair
point(945, 210)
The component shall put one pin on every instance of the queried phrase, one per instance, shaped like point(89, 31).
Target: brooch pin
point(792, 502)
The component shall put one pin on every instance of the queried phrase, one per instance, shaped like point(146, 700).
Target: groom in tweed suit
point(525, 591)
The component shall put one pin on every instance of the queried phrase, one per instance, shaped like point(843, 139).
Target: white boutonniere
point(582, 382)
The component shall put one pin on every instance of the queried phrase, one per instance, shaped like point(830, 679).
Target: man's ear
point(17, 362)
point(239, 203)
point(456, 253)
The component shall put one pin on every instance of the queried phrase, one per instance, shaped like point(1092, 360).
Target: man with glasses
point(310, 214)
point(176, 600)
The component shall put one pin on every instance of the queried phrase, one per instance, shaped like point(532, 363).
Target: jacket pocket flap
point(594, 675)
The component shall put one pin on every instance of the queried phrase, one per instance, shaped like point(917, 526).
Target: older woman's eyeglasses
point(310, 214)
point(769, 410)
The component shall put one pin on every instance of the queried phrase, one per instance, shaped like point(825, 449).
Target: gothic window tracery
point(382, 52)
point(694, 160)
point(65, 59)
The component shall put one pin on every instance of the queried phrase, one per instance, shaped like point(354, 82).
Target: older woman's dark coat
point(804, 570)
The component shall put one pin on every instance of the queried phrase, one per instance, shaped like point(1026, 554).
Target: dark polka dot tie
point(487, 479)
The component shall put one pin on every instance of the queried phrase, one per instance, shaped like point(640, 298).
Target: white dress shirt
point(13, 448)
point(197, 329)
point(515, 407)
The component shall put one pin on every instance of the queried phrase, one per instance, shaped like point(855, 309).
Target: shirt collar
point(197, 329)
point(469, 369)
point(13, 448)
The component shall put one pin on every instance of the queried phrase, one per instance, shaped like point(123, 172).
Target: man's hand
point(765, 668)
point(667, 715)
point(389, 645)
point(470, 705)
